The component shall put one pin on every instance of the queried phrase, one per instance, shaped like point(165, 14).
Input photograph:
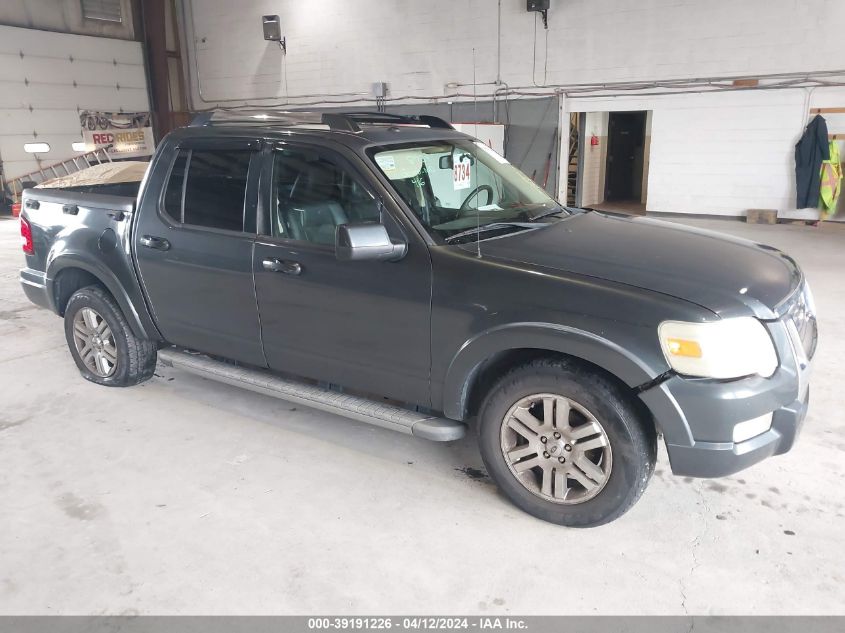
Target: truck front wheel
point(101, 342)
point(566, 444)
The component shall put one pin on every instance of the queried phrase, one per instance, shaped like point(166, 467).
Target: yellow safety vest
point(831, 177)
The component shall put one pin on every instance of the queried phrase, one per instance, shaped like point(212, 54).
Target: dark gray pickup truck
point(393, 270)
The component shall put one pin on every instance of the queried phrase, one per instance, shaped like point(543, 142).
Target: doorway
point(626, 136)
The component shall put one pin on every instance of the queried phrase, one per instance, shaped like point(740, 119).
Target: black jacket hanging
point(810, 151)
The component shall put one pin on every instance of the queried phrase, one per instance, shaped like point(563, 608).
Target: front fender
point(611, 357)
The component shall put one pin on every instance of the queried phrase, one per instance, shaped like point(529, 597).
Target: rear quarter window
point(172, 204)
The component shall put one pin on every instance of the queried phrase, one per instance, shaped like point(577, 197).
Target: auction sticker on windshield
point(461, 173)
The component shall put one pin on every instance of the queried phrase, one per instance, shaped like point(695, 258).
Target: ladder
point(15, 186)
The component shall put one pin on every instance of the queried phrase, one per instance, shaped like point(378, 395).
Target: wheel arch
point(493, 352)
point(68, 273)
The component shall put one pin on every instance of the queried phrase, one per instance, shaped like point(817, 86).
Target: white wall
point(718, 153)
point(722, 153)
point(48, 77)
point(709, 153)
point(342, 46)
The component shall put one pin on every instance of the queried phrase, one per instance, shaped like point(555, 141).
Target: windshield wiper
point(559, 209)
point(491, 227)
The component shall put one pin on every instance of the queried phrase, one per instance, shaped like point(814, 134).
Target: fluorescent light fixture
point(78, 147)
point(36, 148)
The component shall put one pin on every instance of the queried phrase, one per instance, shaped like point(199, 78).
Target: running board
point(378, 413)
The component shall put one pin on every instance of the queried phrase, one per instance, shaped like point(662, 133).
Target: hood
point(727, 275)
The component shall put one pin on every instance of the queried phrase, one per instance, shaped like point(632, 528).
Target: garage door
point(48, 78)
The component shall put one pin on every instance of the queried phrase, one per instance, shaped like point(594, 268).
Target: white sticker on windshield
point(493, 153)
point(462, 173)
point(386, 162)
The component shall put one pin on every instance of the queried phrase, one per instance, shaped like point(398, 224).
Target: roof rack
point(342, 121)
point(350, 121)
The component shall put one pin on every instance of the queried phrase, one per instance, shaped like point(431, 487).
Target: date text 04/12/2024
point(417, 623)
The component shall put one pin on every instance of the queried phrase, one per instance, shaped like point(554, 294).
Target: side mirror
point(446, 162)
point(366, 242)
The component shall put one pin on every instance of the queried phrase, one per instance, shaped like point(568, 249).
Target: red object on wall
point(16, 209)
point(594, 140)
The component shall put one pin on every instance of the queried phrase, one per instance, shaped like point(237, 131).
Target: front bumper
point(697, 417)
point(718, 459)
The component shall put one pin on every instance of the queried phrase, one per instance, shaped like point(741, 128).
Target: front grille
point(803, 316)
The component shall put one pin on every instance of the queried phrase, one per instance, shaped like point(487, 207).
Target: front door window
point(313, 195)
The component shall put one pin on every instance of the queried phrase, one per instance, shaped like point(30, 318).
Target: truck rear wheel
point(102, 344)
point(565, 444)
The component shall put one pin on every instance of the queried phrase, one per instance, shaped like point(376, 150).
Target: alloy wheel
point(556, 448)
point(94, 342)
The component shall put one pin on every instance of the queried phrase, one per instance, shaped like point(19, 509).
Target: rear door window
point(207, 188)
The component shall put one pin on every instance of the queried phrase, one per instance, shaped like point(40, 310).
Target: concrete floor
point(185, 496)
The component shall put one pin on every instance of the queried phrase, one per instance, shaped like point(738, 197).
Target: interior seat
point(316, 222)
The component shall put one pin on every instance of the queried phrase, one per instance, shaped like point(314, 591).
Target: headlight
point(730, 348)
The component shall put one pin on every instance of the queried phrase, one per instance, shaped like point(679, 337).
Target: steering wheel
point(465, 204)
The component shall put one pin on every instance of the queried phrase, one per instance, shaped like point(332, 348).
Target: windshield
point(460, 185)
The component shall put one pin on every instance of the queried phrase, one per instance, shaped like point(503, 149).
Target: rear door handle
point(282, 266)
point(158, 243)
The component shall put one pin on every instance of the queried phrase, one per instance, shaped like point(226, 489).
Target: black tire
point(136, 357)
point(632, 440)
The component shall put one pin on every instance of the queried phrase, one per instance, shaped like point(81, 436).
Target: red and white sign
point(122, 134)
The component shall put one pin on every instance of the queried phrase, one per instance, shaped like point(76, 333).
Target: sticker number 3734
point(461, 174)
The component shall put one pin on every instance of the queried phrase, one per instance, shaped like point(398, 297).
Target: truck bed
point(92, 233)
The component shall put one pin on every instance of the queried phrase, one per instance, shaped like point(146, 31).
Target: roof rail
point(253, 116)
point(341, 121)
point(350, 120)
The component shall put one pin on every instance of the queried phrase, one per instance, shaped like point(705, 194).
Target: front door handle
point(158, 243)
point(282, 266)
